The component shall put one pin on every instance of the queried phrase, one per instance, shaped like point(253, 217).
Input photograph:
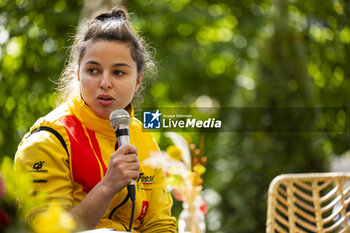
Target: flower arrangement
point(183, 166)
point(16, 201)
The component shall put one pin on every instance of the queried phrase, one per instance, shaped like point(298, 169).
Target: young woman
point(70, 153)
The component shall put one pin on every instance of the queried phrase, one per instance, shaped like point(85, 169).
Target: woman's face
point(108, 76)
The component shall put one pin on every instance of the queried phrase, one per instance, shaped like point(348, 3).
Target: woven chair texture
point(310, 202)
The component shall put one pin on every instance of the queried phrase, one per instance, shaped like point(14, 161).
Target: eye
point(92, 71)
point(119, 73)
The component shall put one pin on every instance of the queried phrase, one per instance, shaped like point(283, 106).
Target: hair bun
point(118, 13)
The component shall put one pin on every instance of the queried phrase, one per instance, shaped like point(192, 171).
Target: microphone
point(120, 120)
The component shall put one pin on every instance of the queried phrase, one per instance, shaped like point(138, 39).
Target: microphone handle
point(124, 140)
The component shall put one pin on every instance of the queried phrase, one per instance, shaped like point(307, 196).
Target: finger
point(130, 158)
point(127, 149)
point(130, 166)
point(124, 150)
point(129, 175)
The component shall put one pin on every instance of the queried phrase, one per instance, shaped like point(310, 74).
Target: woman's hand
point(123, 167)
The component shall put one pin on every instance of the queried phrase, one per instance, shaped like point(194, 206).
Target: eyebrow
point(115, 65)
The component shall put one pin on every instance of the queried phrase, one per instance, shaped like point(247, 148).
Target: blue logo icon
point(151, 120)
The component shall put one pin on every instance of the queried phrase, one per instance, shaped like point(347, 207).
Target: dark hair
point(113, 25)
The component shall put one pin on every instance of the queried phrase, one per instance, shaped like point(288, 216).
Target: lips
point(105, 99)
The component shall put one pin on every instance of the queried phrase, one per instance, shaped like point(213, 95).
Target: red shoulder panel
point(86, 162)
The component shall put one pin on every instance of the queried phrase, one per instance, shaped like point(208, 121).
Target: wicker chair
point(312, 202)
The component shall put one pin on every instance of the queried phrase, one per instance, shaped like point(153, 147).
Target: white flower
point(182, 144)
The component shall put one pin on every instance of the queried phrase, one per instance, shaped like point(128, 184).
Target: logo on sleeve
point(40, 181)
point(37, 167)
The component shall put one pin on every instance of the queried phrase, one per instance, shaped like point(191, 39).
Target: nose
point(105, 82)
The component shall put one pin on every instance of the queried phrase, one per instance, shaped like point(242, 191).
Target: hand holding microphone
point(122, 168)
point(120, 121)
point(124, 165)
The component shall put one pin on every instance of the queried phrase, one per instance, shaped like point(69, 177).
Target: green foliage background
point(251, 53)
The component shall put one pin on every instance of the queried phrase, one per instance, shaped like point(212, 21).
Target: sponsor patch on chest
point(144, 208)
point(145, 179)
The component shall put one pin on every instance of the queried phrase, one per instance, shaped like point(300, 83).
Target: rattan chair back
point(311, 202)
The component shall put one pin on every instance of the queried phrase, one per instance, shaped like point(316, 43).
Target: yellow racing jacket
point(67, 153)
